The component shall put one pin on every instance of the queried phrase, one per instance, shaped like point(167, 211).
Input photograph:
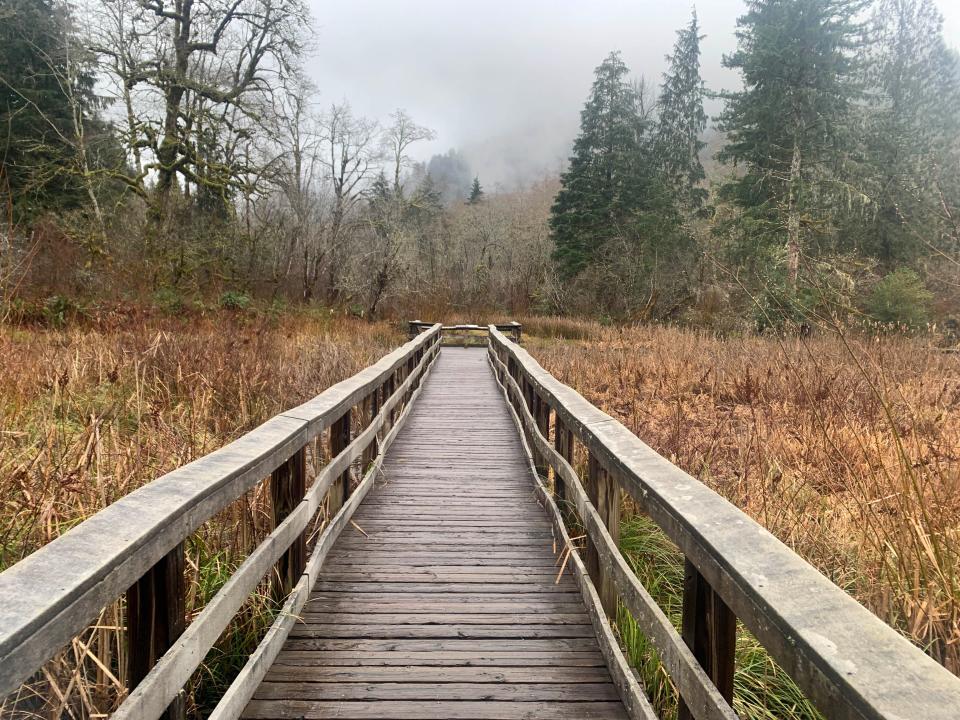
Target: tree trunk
point(793, 219)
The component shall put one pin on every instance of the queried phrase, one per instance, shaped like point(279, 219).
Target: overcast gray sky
point(504, 80)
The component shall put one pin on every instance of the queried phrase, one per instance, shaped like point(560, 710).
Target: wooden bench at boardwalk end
point(443, 582)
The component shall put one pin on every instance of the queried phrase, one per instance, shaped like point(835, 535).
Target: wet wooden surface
point(444, 603)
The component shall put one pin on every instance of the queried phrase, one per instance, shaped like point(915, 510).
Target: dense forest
point(175, 153)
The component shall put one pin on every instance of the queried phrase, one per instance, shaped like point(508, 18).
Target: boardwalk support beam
point(563, 444)
point(604, 494)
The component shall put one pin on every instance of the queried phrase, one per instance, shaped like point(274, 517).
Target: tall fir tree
point(476, 192)
point(793, 125)
point(604, 185)
point(682, 120)
point(913, 126)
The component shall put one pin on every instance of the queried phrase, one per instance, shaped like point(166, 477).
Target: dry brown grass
point(92, 412)
point(847, 448)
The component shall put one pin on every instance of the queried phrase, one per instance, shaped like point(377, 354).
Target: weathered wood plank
point(449, 583)
point(710, 631)
point(288, 485)
point(439, 689)
point(156, 618)
point(420, 709)
point(418, 674)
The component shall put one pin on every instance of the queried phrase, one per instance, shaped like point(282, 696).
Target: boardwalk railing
point(466, 335)
point(136, 545)
point(846, 660)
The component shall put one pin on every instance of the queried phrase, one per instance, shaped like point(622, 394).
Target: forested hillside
point(176, 153)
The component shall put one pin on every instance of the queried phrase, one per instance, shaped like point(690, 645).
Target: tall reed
point(844, 446)
point(93, 411)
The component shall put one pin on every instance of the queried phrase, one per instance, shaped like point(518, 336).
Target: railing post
point(339, 439)
point(563, 444)
point(604, 494)
point(156, 617)
point(388, 387)
point(710, 631)
point(370, 408)
point(541, 414)
point(411, 366)
point(288, 485)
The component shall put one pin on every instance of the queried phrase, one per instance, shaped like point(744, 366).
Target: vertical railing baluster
point(156, 617)
point(604, 494)
point(541, 414)
point(288, 485)
point(710, 631)
point(339, 439)
point(369, 410)
point(387, 394)
point(411, 365)
point(563, 443)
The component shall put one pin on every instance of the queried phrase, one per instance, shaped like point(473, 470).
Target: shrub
point(900, 298)
point(168, 301)
point(234, 300)
point(57, 309)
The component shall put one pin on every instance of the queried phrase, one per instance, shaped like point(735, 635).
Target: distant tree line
point(175, 151)
point(837, 188)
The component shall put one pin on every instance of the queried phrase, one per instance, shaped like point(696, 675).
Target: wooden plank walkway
point(446, 606)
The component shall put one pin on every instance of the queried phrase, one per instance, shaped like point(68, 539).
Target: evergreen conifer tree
point(914, 122)
point(604, 187)
point(682, 120)
point(36, 115)
point(793, 124)
point(476, 192)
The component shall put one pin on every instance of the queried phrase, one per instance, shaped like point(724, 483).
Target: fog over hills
point(504, 82)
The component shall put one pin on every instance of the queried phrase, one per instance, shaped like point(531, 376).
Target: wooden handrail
point(513, 329)
point(846, 660)
point(53, 594)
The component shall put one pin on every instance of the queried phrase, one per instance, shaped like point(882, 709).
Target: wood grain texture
point(239, 693)
point(442, 601)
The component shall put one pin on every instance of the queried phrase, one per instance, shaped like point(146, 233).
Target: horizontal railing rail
point(845, 659)
point(135, 545)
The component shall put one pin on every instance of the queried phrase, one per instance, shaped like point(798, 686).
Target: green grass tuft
point(762, 690)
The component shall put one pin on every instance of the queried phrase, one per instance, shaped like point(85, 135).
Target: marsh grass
point(93, 410)
point(842, 445)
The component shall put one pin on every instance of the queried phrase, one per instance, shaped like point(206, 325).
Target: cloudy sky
point(504, 80)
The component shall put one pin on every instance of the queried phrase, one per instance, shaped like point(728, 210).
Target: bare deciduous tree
point(401, 134)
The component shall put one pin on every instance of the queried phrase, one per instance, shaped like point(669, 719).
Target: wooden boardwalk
point(440, 599)
point(442, 602)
